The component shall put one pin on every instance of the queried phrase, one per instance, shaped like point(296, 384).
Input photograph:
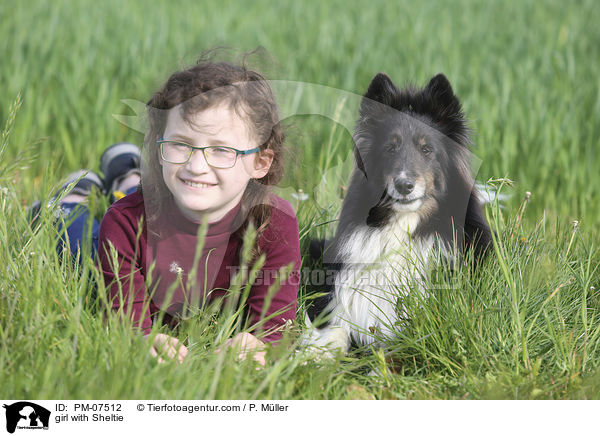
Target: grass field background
point(524, 326)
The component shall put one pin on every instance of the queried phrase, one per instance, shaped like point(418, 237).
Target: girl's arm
point(280, 243)
point(123, 269)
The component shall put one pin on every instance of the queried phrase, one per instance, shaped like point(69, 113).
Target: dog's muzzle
point(406, 193)
point(404, 186)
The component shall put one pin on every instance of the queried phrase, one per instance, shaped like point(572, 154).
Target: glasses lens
point(175, 152)
point(220, 157)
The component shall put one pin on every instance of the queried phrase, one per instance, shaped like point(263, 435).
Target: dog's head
point(411, 142)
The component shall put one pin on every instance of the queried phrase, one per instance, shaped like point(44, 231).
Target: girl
point(212, 152)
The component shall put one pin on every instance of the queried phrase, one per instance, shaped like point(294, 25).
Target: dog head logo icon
point(26, 415)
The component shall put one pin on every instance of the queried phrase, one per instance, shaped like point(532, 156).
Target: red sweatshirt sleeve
point(124, 280)
point(281, 246)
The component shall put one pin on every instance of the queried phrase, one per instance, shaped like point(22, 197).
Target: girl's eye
point(176, 147)
point(220, 150)
point(179, 147)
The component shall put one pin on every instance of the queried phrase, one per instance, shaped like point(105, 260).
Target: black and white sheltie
point(411, 199)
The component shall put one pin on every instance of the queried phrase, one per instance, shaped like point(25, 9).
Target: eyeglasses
point(217, 156)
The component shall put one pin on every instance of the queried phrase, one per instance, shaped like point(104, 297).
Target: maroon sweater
point(173, 252)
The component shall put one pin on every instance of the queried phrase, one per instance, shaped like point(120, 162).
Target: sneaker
point(86, 181)
point(118, 162)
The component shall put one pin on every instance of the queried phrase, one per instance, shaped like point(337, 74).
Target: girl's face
point(198, 189)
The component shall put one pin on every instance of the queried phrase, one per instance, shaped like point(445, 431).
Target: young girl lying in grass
point(213, 150)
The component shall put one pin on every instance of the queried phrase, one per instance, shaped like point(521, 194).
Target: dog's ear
point(440, 91)
point(382, 89)
point(446, 108)
point(379, 96)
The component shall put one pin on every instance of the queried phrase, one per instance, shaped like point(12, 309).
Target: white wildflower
point(175, 268)
point(300, 195)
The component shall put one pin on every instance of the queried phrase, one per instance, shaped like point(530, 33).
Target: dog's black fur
point(412, 156)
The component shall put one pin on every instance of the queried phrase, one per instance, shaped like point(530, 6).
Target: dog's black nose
point(404, 186)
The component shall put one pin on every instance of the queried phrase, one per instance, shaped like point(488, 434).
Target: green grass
point(524, 325)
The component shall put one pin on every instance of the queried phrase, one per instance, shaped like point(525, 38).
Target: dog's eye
point(425, 149)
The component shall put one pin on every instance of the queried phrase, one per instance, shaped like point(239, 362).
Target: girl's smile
point(198, 185)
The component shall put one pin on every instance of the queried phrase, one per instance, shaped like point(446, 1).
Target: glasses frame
point(161, 141)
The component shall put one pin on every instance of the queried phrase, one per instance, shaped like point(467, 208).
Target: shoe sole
point(115, 150)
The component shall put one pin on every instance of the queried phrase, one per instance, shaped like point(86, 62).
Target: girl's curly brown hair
point(205, 85)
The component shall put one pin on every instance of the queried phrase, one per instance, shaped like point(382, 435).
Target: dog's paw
point(327, 342)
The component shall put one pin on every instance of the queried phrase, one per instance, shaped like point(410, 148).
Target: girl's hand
point(246, 344)
point(168, 346)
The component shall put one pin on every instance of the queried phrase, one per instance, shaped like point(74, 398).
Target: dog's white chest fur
point(381, 265)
